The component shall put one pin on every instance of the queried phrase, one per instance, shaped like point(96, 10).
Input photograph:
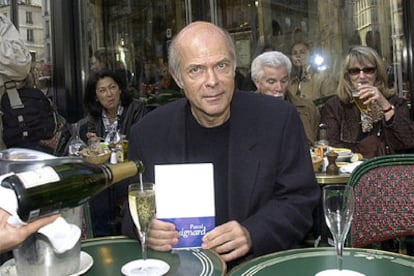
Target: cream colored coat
point(314, 86)
point(15, 59)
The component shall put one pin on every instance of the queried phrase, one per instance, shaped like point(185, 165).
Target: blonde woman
point(385, 126)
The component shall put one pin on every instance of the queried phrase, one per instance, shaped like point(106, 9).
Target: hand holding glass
point(141, 199)
point(338, 206)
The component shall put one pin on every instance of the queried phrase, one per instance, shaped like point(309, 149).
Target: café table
point(327, 179)
point(309, 261)
point(109, 254)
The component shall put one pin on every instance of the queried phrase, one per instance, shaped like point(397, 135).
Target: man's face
point(207, 76)
point(274, 82)
point(300, 53)
point(96, 65)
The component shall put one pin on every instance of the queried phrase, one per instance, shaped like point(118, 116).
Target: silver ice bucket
point(35, 256)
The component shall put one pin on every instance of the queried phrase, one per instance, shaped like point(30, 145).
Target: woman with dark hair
point(384, 126)
point(109, 107)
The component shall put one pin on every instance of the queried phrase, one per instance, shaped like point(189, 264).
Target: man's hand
point(162, 235)
point(12, 236)
point(230, 240)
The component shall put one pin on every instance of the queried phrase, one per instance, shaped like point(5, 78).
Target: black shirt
point(210, 145)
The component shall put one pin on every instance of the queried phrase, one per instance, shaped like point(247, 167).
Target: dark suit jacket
point(272, 186)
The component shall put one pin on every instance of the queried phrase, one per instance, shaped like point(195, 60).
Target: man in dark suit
point(265, 188)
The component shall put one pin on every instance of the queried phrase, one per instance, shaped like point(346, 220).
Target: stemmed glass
point(338, 207)
point(141, 199)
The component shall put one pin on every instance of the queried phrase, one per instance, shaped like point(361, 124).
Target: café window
point(329, 28)
point(133, 36)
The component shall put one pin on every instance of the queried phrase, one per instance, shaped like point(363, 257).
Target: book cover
point(184, 195)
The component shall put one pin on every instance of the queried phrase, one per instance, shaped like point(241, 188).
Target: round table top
point(324, 178)
point(111, 253)
point(309, 261)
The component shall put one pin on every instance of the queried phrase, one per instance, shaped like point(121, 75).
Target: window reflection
point(34, 26)
point(133, 36)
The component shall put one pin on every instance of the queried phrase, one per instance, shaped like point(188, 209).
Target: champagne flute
point(141, 199)
point(338, 206)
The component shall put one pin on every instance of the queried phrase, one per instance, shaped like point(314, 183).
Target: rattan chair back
point(384, 198)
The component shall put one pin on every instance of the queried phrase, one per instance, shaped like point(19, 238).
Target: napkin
point(62, 235)
point(348, 168)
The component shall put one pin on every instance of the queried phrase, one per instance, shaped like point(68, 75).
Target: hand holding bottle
point(11, 236)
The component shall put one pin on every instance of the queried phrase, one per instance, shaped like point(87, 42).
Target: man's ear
point(256, 82)
point(177, 80)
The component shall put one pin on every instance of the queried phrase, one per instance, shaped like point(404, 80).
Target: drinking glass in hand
point(359, 103)
point(338, 207)
point(141, 199)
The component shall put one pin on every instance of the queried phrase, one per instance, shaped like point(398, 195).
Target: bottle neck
point(322, 134)
point(121, 171)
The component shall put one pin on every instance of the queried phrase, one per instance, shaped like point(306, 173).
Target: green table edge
point(116, 239)
point(242, 268)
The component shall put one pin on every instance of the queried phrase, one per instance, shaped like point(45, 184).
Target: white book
point(184, 195)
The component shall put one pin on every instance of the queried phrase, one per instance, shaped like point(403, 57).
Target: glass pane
point(34, 27)
point(330, 28)
point(132, 36)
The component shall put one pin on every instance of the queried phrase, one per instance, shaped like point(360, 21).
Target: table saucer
point(86, 262)
point(156, 267)
point(336, 272)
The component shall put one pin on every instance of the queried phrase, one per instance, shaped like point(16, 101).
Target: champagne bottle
point(54, 187)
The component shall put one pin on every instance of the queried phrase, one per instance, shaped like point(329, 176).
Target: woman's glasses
point(367, 70)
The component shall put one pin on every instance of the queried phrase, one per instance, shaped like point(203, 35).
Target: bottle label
point(38, 177)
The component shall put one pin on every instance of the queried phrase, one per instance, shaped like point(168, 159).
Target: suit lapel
point(177, 134)
point(243, 162)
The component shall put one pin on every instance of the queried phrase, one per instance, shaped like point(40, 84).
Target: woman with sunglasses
point(384, 126)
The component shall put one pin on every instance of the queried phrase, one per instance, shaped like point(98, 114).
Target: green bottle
point(53, 187)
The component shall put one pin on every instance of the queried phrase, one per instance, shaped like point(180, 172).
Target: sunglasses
point(366, 70)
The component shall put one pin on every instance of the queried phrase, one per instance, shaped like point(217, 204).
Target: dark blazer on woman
point(343, 123)
point(131, 114)
point(104, 207)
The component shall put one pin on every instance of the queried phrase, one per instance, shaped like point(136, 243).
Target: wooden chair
point(384, 200)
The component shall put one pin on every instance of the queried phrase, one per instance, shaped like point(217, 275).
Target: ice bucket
point(35, 256)
point(18, 160)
